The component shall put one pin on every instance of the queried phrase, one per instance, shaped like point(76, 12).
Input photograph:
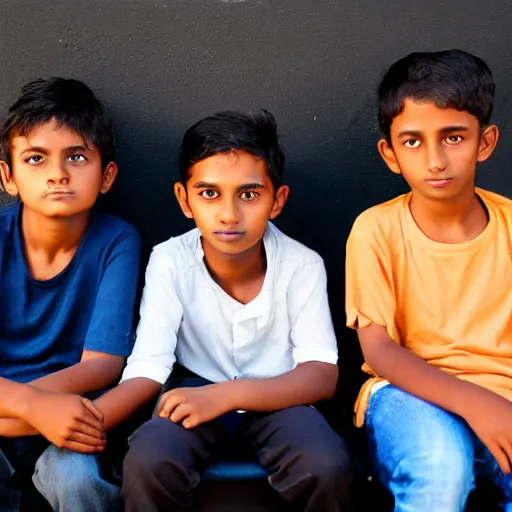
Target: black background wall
point(160, 65)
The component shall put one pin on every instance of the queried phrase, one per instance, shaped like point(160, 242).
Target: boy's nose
point(436, 158)
point(228, 213)
point(58, 175)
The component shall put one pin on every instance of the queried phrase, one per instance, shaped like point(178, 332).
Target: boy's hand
point(193, 406)
point(67, 421)
point(490, 417)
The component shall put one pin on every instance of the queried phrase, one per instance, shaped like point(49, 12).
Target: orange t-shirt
point(451, 304)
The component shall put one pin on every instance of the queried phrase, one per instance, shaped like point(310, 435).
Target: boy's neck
point(455, 221)
point(51, 237)
point(239, 275)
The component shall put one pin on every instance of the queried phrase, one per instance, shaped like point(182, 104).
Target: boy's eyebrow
point(39, 149)
point(77, 148)
point(246, 186)
point(204, 184)
point(35, 148)
point(447, 129)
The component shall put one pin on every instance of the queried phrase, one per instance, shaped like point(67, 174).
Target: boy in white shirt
point(240, 311)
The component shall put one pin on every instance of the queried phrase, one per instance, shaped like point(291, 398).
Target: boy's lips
point(439, 182)
point(229, 234)
point(58, 192)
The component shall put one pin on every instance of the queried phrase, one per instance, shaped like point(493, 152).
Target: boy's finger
point(191, 421)
point(506, 447)
point(181, 411)
point(170, 404)
point(93, 409)
point(82, 448)
point(501, 458)
point(86, 439)
point(89, 430)
point(91, 420)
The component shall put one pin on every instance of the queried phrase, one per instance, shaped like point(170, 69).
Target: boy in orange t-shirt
point(429, 290)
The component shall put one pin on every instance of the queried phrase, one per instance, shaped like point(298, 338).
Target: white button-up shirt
point(186, 316)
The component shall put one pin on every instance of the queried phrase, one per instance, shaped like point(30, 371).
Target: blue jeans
point(69, 481)
point(72, 481)
point(427, 457)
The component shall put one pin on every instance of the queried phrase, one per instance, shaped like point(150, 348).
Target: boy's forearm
point(15, 398)
point(409, 372)
point(119, 403)
point(307, 384)
point(83, 377)
point(14, 427)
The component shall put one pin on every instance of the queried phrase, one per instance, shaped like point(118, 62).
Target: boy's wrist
point(227, 392)
point(22, 401)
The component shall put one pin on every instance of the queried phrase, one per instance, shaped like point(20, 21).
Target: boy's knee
point(62, 472)
point(142, 459)
point(438, 466)
point(438, 478)
point(148, 462)
point(333, 466)
point(327, 474)
point(145, 453)
point(152, 472)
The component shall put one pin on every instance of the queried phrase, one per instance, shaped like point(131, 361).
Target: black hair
point(450, 79)
point(71, 103)
point(231, 130)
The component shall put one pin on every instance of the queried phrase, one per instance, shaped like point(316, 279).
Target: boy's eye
point(209, 194)
point(453, 139)
point(412, 143)
point(34, 159)
point(249, 195)
point(77, 158)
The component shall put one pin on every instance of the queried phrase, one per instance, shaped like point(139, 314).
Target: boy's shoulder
point(381, 220)
point(496, 201)
point(8, 219)
point(109, 224)
point(180, 251)
point(10, 211)
point(107, 237)
point(288, 249)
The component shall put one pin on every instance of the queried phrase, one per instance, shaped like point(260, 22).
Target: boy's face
point(437, 149)
point(231, 198)
point(55, 173)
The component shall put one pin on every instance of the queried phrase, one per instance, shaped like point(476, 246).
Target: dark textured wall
point(160, 65)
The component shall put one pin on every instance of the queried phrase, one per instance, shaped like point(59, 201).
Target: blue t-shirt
point(45, 325)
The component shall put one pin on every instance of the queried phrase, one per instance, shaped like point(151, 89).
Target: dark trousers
point(307, 461)
point(10, 497)
point(18, 457)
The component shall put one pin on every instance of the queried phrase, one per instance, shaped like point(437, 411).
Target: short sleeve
point(312, 332)
point(369, 290)
point(111, 326)
point(161, 314)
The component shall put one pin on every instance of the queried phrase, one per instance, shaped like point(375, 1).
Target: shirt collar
point(262, 302)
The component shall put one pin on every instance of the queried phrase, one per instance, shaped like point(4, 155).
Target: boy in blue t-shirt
point(68, 278)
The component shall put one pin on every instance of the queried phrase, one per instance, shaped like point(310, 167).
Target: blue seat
point(235, 471)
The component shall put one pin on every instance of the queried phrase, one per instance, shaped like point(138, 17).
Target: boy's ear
point(109, 176)
point(6, 181)
point(488, 141)
point(388, 155)
point(181, 195)
point(280, 198)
